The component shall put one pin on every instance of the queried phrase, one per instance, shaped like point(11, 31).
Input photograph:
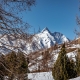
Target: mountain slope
point(46, 39)
point(60, 38)
point(42, 40)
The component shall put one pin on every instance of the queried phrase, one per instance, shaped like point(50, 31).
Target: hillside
point(44, 76)
point(42, 50)
point(43, 40)
point(43, 60)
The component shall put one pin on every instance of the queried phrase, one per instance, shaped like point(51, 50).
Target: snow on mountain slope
point(40, 76)
point(44, 39)
point(60, 38)
point(44, 76)
point(48, 75)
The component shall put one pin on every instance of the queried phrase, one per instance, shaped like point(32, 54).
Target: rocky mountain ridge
point(44, 39)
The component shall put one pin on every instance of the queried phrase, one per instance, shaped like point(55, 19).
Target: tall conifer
point(78, 63)
point(64, 68)
point(59, 69)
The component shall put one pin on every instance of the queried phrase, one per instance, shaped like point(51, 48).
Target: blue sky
point(57, 15)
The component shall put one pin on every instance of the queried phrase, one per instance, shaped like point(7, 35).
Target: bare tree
point(11, 23)
point(77, 30)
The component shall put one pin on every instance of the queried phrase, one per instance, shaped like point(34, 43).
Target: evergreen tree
point(71, 70)
point(16, 66)
point(59, 70)
point(39, 29)
point(63, 68)
point(78, 63)
point(23, 68)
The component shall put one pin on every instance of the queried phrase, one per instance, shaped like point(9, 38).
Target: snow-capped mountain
point(44, 39)
point(60, 38)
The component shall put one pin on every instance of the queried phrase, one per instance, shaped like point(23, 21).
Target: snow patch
point(40, 76)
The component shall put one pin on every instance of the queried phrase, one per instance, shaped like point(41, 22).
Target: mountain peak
point(45, 29)
point(57, 33)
